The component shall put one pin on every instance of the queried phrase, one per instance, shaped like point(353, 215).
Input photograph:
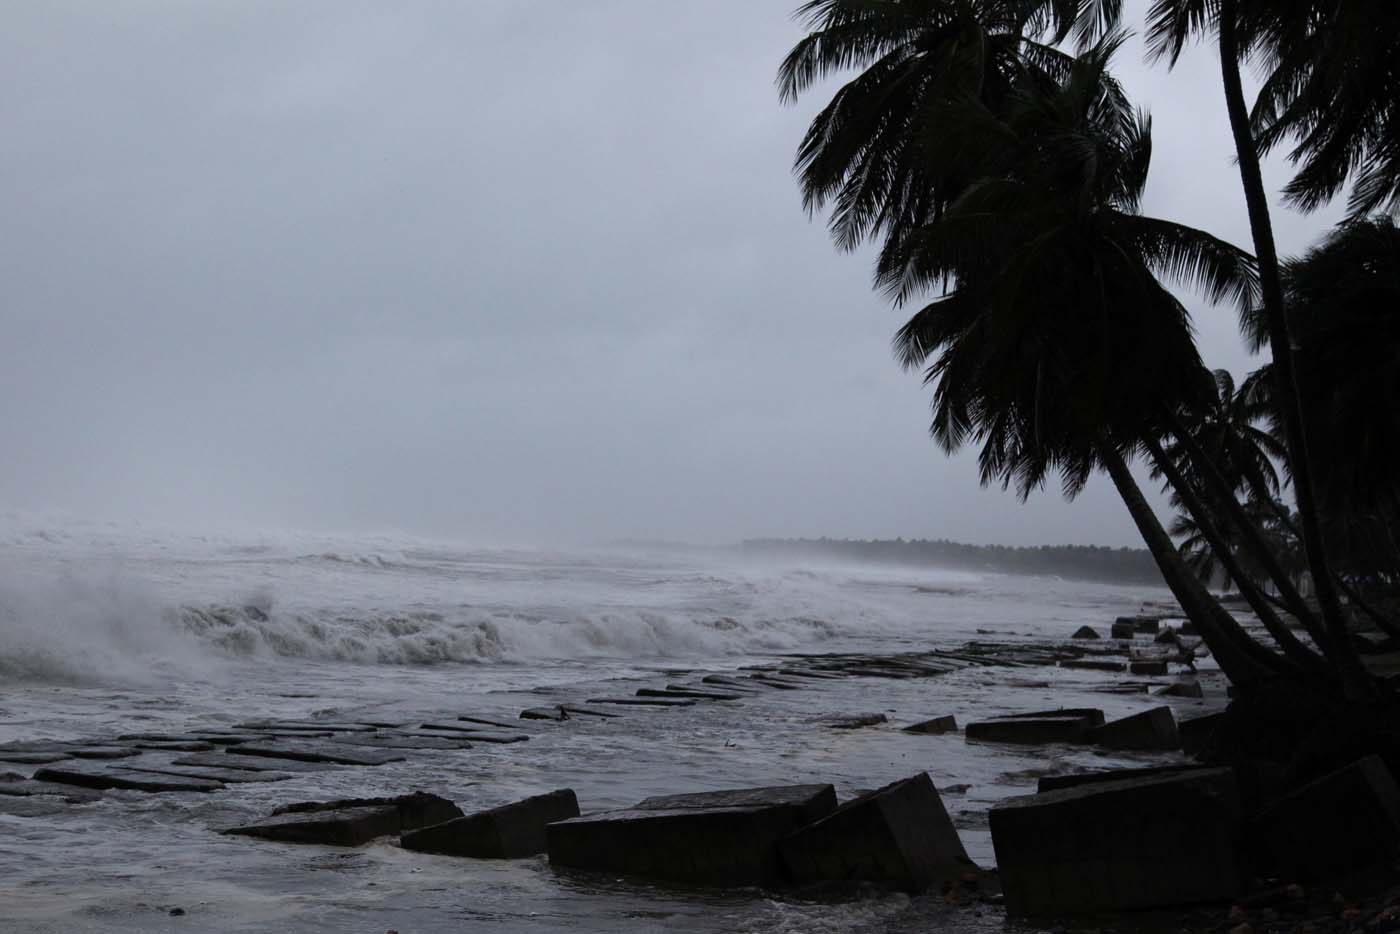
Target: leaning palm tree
point(887, 153)
point(1196, 550)
point(1239, 33)
point(1055, 343)
point(1217, 449)
point(1344, 301)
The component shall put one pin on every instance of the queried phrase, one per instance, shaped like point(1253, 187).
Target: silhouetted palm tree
point(1055, 344)
point(1333, 91)
point(1344, 308)
point(889, 152)
point(1172, 23)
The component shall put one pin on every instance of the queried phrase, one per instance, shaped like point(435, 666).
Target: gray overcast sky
point(495, 270)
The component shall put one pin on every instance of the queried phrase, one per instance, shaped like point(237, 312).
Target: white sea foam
point(83, 602)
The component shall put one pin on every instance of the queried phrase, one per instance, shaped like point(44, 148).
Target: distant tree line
point(1083, 562)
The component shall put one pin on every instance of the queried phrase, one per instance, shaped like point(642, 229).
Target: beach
point(154, 633)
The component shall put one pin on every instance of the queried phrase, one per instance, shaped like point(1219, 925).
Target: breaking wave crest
point(430, 638)
point(102, 609)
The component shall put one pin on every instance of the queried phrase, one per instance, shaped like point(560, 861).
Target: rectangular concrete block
point(899, 835)
point(350, 821)
point(1151, 729)
point(1032, 729)
point(1091, 664)
point(1078, 779)
point(725, 838)
point(1121, 845)
point(1343, 822)
point(511, 831)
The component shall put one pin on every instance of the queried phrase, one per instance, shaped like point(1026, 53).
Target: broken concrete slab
point(1151, 729)
point(227, 776)
point(1089, 664)
point(290, 726)
point(558, 714)
point(173, 745)
point(1181, 689)
point(1339, 824)
point(1093, 714)
point(687, 693)
point(1086, 632)
point(1142, 624)
point(105, 778)
point(351, 826)
point(578, 710)
point(814, 801)
point(475, 734)
point(643, 701)
point(1148, 667)
point(1123, 629)
point(219, 760)
point(482, 721)
point(401, 741)
point(350, 821)
point(937, 725)
point(778, 683)
point(899, 835)
point(323, 752)
point(1123, 845)
point(103, 752)
point(33, 758)
point(17, 786)
point(746, 686)
point(713, 838)
point(511, 831)
point(853, 721)
point(1029, 730)
point(416, 809)
point(1078, 779)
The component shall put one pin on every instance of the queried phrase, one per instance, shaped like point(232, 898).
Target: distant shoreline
point(1081, 562)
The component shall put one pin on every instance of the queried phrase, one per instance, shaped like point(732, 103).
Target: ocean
point(109, 628)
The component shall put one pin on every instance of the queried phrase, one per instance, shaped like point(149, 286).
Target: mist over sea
point(106, 629)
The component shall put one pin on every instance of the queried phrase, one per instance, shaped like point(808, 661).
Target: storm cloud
point(496, 270)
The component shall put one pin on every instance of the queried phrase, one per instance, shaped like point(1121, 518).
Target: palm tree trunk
point(1253, 537)
point(1210, 618)
point(1355, 680)
point(1384, 623)
point(1304, 657)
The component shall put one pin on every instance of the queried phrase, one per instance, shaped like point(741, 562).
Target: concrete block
point(1341, 823)
point(1122, 845)
point(511, 831)
point(716, 838)
point(1151, 729)
point(899, 835)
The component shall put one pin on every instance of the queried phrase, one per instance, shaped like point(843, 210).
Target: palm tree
point(1196, 550)
point(1344, 309)
point(1227, 423)
point(1220, 450)
point(1055, 342)
point(1172, 22)
point(1333, 89)
point(887, 153)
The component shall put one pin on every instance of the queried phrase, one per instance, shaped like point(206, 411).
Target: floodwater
point(107, 630)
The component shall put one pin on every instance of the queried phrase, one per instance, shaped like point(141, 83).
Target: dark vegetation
point(985, 148)
point(1084, 562)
